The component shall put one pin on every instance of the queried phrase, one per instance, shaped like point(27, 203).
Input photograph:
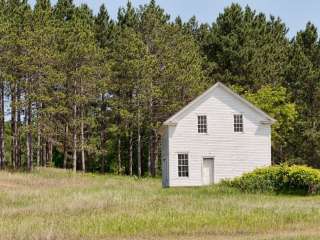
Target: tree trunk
point(49, 153)
point(156, 154)
point(74, 152)
point(74, 147)
point(27, 131)
point(74, 139)
point(103, 135)
point(28, 126)
point(83, 160)
point(43, 152)
point(39, 152)
point(14, 125)
point(29, 135)
point(2, 127)
point(65, 146)
point(119, 154)
point(139, 144)
point(38, 143)
point(150, 141)
point(130, 153)
point(19, 153)
point(103, 144)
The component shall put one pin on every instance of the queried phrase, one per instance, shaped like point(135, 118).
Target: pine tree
point(64, 10)
point(303, 81)
point(246, 48)
point(18, 15)
point(128, 16)
point(80, 56)
point(174, 66)
point(104, 28)
point(129, 55)
point(104, 34)
point(3, 30)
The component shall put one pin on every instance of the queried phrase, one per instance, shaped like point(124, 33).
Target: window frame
point(202, 123)
point(183, 165)
point(238, 123)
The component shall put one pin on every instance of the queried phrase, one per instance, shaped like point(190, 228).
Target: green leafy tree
point(276, 102)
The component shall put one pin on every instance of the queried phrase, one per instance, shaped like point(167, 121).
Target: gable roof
point(172, 119)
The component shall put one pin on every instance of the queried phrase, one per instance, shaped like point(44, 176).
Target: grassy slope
point(53, 204)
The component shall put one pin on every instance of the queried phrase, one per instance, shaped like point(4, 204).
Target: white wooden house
point(219, 135)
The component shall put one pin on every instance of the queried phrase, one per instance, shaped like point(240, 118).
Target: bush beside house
point(280, 179)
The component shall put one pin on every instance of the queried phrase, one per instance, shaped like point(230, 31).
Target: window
point(183, 165)
point(238, 123)
point(202, 124)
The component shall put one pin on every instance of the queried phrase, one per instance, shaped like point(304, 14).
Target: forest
point(86, 92)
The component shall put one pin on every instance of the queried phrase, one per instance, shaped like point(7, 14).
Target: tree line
point(83, 91)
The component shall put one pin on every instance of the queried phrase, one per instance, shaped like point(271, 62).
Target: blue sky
point(294, 13)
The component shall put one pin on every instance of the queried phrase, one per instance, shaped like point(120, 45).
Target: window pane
point(183, 165)
point(202, 124)
point(238, 123)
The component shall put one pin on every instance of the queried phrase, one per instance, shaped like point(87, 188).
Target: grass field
point(54, 204)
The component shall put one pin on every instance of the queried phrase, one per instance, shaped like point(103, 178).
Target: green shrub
point(280, 179)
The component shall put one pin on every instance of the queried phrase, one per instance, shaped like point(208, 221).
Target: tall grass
point(55, 204)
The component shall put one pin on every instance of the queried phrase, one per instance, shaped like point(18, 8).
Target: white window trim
point(202, 133)
point(177, 154)
point(243, 122)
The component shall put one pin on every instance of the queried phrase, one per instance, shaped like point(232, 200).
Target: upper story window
point(183, 165)
point(202, 124)
point(238, 122)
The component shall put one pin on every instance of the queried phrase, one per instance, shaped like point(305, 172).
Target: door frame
point(212, 158)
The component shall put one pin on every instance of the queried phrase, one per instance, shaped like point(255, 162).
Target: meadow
point(56, 204)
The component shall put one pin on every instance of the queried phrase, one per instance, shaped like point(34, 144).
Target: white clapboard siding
point(234, 153)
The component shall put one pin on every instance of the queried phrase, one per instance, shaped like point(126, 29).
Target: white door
point(207, 171)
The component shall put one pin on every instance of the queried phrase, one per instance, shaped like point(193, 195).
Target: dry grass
point(54, 204)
